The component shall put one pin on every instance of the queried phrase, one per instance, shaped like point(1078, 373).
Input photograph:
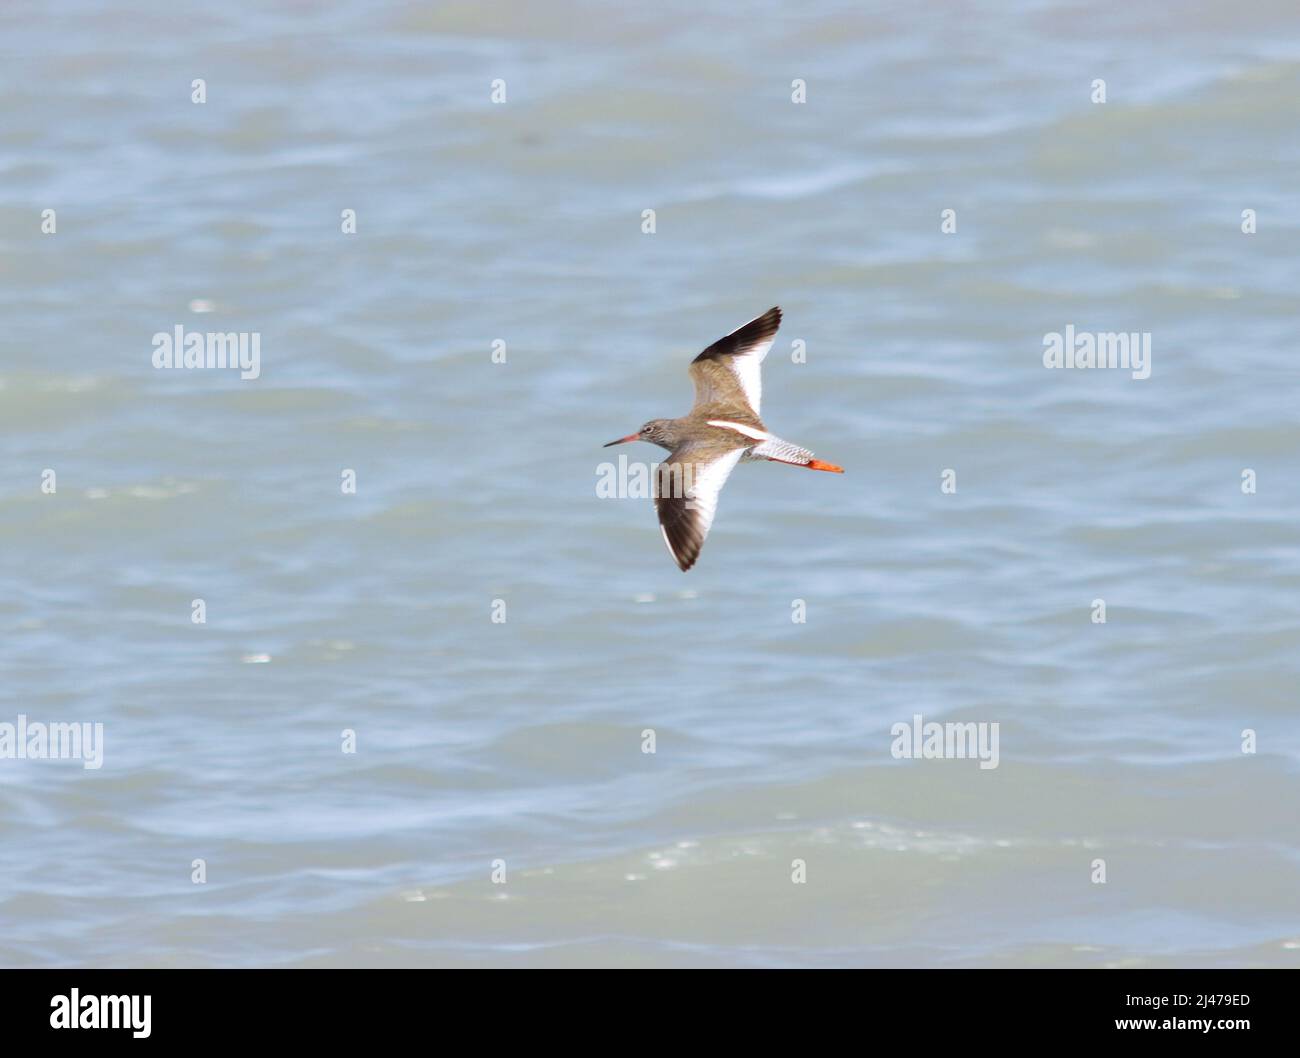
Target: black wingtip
point(766, 323)
point(760, 329)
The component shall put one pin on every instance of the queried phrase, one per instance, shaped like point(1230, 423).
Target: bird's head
point(656, 431)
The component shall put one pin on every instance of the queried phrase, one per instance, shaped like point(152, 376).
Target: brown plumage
point(722, 429)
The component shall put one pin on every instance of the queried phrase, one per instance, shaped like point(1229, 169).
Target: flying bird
point(723, 429)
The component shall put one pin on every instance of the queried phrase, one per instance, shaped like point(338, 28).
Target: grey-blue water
point(499, 808)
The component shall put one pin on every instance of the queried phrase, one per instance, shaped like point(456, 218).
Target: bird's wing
point(730, 370)
point(686, 489)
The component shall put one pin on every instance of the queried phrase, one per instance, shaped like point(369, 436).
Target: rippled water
point(522, 741)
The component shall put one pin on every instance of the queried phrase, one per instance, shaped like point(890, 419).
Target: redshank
point(722, 430)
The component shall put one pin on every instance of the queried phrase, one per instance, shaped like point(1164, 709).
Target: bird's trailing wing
point(686, 488)
point(730, 372)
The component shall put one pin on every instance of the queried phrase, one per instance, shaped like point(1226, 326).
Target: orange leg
point(812, 464)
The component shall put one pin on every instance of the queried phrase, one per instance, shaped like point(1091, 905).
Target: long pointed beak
point(623, 440)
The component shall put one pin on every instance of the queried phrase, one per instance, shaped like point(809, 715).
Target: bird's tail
point(779, 451)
